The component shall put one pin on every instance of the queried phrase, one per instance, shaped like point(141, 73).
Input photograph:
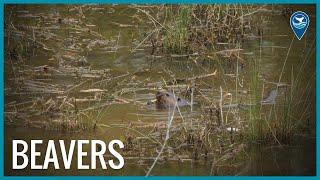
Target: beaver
point(166, 100)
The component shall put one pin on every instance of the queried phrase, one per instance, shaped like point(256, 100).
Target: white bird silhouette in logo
point(299, 19)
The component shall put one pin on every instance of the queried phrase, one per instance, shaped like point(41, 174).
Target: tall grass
point(198, 28)
point(176, 34)
point(291, 115)
point(254, 121)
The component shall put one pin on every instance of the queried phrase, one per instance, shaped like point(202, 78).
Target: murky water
point(133, 72)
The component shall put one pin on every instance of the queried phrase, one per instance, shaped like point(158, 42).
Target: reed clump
point(199, 29)
point(290, 115)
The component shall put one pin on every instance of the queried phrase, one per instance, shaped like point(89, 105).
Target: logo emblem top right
point(299, 23)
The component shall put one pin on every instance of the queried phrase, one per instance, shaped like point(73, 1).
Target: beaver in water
point(166, 100)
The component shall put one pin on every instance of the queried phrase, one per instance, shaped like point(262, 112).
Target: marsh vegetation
point(75, 71)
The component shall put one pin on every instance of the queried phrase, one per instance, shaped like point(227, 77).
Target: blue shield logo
point(299, 23)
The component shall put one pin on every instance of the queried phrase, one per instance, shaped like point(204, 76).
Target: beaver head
point(166, 99)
